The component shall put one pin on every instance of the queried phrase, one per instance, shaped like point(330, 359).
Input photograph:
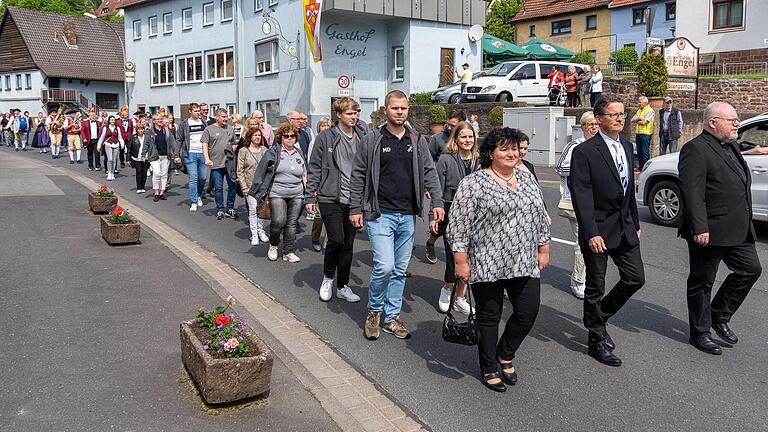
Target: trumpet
point(58, 122)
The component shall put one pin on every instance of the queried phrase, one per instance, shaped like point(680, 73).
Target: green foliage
point(652, 75)
point(626, 56)
point(437, 114)
point(420, 98)
point(496, 116)
point(66, 7)
point(498, 21)
point(228, 332)
point(584, 57)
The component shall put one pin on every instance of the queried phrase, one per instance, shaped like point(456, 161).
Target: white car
point(658, 186)
point(521, 81)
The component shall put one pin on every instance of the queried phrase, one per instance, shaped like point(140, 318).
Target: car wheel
point(666, 204)
point(454, 99)
point(504, 97)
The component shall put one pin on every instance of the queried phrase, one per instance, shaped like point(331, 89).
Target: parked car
point(451, 93)
point(523, 81)
point(658, 186)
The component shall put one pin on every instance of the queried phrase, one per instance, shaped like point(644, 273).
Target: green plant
point(498, 21)
point(584, 57)
point(228, 332)
point(437, 114)
point(496, 116)
point(652, 75)
point(626, 56)
point(104, 191)
point(424, 98)
point(120, 216)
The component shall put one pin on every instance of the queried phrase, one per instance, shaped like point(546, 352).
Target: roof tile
point(623, 3)
point(544, 8)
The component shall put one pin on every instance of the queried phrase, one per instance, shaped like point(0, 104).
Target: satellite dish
point(475, 33)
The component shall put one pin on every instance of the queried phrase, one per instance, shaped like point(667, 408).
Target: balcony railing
point(67, 96)
point(745, 69)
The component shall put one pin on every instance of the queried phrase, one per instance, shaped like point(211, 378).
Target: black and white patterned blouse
point(500, 228)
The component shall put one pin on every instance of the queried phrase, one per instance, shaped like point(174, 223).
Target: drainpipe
point(236, 58)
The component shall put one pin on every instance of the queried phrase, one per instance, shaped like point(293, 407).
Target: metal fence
point(759, 69)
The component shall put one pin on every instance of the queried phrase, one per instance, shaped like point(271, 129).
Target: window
point(272, 2)
point(213, 108)
point(727, 14)
point(226, 10)
point(593, 53)
point(154, 109)
point(258, 5)
point(398, 70)
point(526, 72)
point(231, 109)
point(167, 23)
point(271, 110)
point(28, 81)
point(152, 22)
point(532, 31)
point(7, 83)
point(186, 19)
point(629, 45)
point(137, 30)
point(638, 16)
point(754, 135)
point(561, 27)
point(266, 58)
point(208, 14)
point(220, 65)
point(670, 11)
point(162, 72)
point(18, 82)
point(591, 22)
point(190, 68)
point(107, 101)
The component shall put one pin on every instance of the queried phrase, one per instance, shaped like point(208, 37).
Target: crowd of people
point(481, 196)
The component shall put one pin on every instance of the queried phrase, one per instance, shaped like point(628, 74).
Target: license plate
point(471, 97)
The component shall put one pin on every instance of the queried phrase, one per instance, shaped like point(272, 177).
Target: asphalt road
point(664, 384)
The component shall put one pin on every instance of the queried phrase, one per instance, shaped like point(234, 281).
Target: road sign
point(130, 79)
point(344, 81)
point(681, 86)
point(654, 41)
point(130, 74)
point(343, 92)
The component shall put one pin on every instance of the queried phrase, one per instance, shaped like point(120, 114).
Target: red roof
point(543, 8)
point(110, 7)
point(622, 3)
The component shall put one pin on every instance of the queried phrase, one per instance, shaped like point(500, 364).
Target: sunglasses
point(289, 136)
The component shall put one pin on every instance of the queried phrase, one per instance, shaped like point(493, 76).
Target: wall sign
point(682, 58)
point(351, 44)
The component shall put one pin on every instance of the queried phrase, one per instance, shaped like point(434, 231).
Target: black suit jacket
point(601, 207)
point(715, 197)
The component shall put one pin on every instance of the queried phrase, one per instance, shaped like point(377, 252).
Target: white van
point(519, 81)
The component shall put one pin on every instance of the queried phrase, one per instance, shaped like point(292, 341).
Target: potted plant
point(437, 118)
point(224, 357)
point(496, 117)
point(119, 227)
point(652, 78)
point(102, 201)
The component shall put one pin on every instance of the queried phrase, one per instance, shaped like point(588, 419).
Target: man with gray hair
point(716, 186)
point(217, 140)
point(644, 130)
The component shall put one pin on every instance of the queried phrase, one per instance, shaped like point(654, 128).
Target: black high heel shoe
point(498, 387)
point(508, 378)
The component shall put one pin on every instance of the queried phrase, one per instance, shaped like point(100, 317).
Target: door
point(751, 136)
point(527, 83)
point(446, 66)
point(367, 107)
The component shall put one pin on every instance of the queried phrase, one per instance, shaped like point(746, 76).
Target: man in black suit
point(717, 224)
point(603, 197)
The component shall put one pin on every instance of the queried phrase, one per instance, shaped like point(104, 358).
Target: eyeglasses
point(593, 124)
point(734, 121)
point(289, 136)
point(614, 116)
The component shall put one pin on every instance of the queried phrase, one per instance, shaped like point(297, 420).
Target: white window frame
point(28, 81)
point(231, 109)
point(258, 5)
point(168, 82)
point(207, 23)
point(231, 9)
point(168, 23)
point(273, 2)
point(274, 60)
point(136, 34)
point(150, 20)
point(214, 54)
point(186, 15)
point(7, 83)
point(261, 106)
point(398, 68)
point(18, 82)
point(181, 77)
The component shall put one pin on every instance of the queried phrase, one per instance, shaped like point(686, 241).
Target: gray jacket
point(364, 181)
point(265, 171)
point(181, 147)
point(450, 171)
point(150, 149)
point(323, 175)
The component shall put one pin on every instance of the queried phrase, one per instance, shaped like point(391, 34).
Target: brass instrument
point(76, 126)
point(58, 122)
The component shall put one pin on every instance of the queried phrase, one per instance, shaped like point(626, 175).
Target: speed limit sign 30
point(344, 81)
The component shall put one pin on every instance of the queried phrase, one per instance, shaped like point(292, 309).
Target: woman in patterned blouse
point(499, 235)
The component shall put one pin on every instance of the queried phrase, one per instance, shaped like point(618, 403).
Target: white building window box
point(167, 23)
point(189, 69)
point(267, 58)
point(226, 10)
point(398, 69)
point(207, 14)
point(186, 19)
point(152, 24)
point(220, 65)
point(137, 30)
point(161, 71)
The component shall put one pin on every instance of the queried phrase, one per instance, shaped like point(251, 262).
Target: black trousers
point(90, 148)
point(341, 239)
point(594, 97)
point(745, 269)
point(141, 174)
point(450, 265)
point(598, 306)
point(525, 295)
point(122, 152)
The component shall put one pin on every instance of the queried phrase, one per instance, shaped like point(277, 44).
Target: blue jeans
point(665, 143)
point(391, 238)
point(218, 175)
point(643, 149)
point(463, 88)
point(198, 173)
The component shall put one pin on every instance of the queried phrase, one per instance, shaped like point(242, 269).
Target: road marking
point(567, 242)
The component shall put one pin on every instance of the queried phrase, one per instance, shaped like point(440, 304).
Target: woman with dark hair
point(249, 155)
point(459, 160)
point(112, 141)
point(499, 235)
point(138, 143)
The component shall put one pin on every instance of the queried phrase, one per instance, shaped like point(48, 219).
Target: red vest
point(126, 128)
point(112, 137)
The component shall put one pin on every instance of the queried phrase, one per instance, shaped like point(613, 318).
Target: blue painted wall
point(621, 25)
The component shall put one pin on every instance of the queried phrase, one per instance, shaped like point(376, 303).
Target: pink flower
point(231, 344)
point(231, 300)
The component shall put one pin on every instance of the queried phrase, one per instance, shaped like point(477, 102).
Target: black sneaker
point(17, 149)
point(231, 214)
point(220, 215)
point(71, 162)
point(80, 162)
point(25, 149)
point(98, 168)
point(90, 168)
point(156, 198)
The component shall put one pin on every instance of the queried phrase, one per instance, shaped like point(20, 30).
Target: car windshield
point(753, 135)
point(502, 69)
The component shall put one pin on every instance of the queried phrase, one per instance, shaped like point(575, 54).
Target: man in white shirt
point(189, 151)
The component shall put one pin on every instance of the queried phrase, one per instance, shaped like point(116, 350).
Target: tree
point(652, 75)
point(66, 7)
point(498, 21)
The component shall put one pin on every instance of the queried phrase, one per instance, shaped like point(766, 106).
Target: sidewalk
point(94, 328)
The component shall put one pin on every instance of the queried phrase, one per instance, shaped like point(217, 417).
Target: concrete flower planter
point(230, 379)
point(100, 204)
point(117, 234)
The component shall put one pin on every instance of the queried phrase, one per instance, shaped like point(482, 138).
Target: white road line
point(557, 240)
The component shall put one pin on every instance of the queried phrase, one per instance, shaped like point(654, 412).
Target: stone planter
point(437, 128)
point(117, 234)
point(656, 102)
point(226, 380)
point(101, 205)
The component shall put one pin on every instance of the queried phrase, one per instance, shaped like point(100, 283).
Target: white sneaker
point(199, 202)
point(462, 305)
point(445, 300)
point(143, 190)
point(138, 191)
point(254, 240)
point(193, 207)
point(326, 289)
point(263, 236)
point(291, 257)
point(577, 290)
point(272, 253)
point(346, 293)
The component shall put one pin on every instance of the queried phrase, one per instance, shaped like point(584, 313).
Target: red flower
point(118, 211)
point(103, 188)
point(222, 320)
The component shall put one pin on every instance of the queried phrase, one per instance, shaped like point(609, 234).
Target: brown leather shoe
point(372, 325)
point(396, 328)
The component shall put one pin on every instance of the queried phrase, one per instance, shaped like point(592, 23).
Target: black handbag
point(465, 333)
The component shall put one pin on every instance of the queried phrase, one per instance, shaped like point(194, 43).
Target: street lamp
point(288, 46)
point(122, 46)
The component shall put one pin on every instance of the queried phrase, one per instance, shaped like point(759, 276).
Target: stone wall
point(750, 55)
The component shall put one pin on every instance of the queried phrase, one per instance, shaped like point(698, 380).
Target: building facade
point(253, 54)
point(628, 22)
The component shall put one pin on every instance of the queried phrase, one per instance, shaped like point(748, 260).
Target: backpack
point(23, 125)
